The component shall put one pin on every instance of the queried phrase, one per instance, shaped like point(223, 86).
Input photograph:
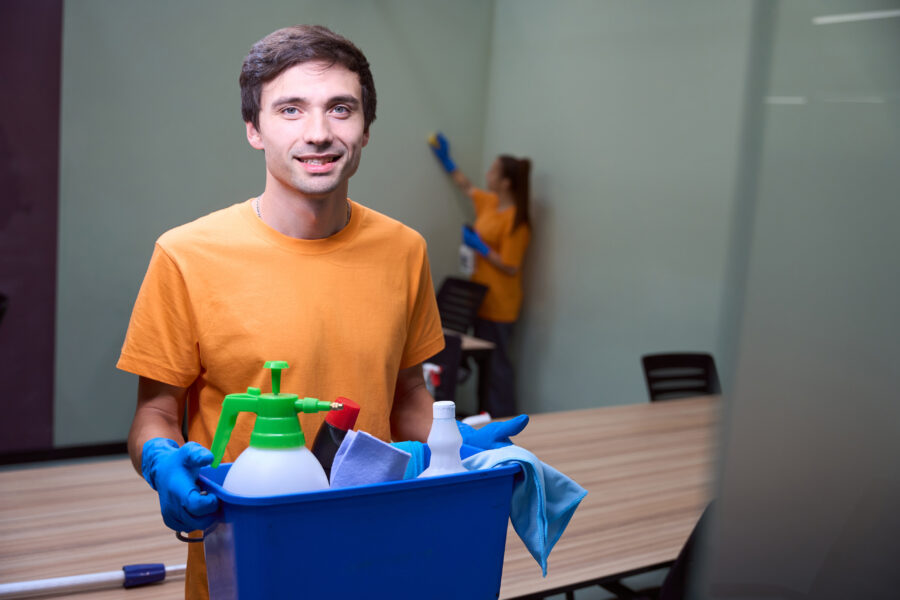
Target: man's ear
point(365, 138)
point(253, 137)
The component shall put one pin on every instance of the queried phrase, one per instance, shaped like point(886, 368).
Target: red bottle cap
point(344, 419)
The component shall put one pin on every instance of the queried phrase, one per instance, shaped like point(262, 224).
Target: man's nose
point(318, 129)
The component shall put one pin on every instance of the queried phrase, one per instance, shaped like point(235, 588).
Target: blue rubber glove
point(474, 241)
point(419, 455)
point(172, 472)
point(493, 435)
point(441, 148)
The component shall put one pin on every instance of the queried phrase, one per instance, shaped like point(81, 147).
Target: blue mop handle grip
point(143, 574)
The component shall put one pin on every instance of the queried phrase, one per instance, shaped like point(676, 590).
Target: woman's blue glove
point(494, 435)
point(474, 241)
point(172, 472)
point(441, 148)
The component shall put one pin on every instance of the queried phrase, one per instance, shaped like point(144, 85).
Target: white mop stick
point(75, 583)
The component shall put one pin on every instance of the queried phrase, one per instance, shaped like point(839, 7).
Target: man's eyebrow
point(288, 100)
point(351, 100)
point(348, 99)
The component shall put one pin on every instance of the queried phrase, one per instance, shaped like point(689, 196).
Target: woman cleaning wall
point(500, 237)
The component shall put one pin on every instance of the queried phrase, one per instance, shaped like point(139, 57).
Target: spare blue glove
point(474, 241)
point(494, 435)
point(172, 472)
point(419, 455)
point(441, 148)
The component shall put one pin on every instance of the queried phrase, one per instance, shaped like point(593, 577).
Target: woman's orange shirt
point(504, 298)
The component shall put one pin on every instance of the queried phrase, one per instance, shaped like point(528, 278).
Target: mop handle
point(128, 576)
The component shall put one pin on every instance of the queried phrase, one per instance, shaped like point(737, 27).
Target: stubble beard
point(324, 185)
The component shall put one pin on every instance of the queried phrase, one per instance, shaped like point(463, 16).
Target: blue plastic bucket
point(435, 538)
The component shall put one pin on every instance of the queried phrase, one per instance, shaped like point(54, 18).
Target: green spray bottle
point(277, 461)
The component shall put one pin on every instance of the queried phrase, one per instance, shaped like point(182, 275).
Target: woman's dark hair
point(518, 172)
point(291, 46)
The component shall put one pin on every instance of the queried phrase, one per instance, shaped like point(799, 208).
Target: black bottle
point(331, 434)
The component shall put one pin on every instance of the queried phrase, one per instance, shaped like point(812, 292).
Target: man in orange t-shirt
point(500, 237)
point(300, 273)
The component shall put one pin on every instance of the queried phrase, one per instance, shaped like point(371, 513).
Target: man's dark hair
point(290, 46)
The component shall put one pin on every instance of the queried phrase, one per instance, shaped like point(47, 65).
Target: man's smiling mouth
point(319, 161)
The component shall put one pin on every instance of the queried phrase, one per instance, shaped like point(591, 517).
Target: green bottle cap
point(276, 415)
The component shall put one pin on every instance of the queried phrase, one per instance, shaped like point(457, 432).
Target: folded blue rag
point(363, 459)
point(543, 500)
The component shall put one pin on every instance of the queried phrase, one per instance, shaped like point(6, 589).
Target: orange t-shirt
point(504, 297)
point(225, 293)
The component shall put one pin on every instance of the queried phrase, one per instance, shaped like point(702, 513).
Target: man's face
point(311, 127)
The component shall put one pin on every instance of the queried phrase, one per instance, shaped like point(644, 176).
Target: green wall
point(631, 112)
point(152, 137)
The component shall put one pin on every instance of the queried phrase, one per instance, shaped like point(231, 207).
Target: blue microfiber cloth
point(543, 499)
point(418, 457)
point(363, 459)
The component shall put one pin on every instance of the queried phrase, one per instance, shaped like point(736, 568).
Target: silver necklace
point(259, 213)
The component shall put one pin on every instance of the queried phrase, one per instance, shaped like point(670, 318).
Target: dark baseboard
point(65, 453)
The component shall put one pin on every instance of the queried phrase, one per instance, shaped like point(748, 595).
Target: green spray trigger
point(276, 415)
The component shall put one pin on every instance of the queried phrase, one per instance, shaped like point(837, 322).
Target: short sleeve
point(161, 342)
point(482, 200)
point(425, 337)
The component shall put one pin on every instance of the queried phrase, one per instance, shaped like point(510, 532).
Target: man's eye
point(341, 109)
point(290, 110)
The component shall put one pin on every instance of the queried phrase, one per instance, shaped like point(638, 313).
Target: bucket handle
point(189, 540)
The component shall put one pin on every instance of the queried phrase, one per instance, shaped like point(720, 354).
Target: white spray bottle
point(277, 461)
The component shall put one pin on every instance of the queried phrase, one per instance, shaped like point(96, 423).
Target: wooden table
point(647, 468)
point(84, 517)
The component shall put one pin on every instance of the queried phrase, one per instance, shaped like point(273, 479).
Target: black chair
point(678, 375)
point(448, 359)
point(458, 302)
point(4, 302)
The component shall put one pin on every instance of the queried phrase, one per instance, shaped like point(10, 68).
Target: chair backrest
point(680, 374)
point(448, 359)
point(458, 303)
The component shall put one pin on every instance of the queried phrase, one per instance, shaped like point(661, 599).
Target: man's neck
point(302, 217)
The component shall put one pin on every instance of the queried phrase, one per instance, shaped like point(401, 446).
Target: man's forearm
point(157, 415)
point(411, 415)
point(148, 424)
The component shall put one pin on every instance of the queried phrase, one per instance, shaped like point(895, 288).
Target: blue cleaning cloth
point(363, 459)
point(543, 500)
point(419, 454)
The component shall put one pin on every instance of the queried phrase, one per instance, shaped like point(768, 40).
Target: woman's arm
point(462, 182)
point(496, 260)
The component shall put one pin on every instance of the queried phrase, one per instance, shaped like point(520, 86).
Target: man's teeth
point(317, 161)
